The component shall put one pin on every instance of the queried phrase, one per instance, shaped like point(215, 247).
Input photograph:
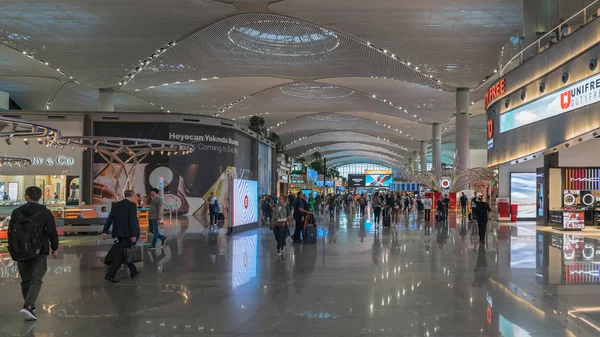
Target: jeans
point(32, 272)
point(120, 258)
point(427, 215)
point(362, 210)
point(153, 228)
point(377, 213)
point(279, 232)
point(299, 230)
point(464, 209)
point(482, 224)
point(213, 218)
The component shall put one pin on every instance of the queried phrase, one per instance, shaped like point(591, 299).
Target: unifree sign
point(494, 91)
point(573, 97)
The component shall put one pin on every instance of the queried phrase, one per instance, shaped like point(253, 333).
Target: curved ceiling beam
point(326, 138)
point(353, 160)
point(332, 148)
point(365, 154)
point(336, 122)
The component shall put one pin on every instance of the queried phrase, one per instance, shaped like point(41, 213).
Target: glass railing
point(564, 29)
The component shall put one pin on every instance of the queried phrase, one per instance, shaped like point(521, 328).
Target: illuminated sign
point(490, 133)
point(378, 171)
point(50, 161)
point(445, 183)
point(494, 91)
point(573, 97)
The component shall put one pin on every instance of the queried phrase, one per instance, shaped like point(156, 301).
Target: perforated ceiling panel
point(96, 41)
point(333, 148)
point(334, 137)
point(75, 97)
point(350, 160)
point(364, 154)
point(270, 45)
point(430, 104)
point(316, 123)
point(457, 40)
point(208, 95)
point(313, 97)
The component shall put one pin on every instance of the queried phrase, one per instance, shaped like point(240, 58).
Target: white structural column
point(106, 100)
point(415, 161)
point(436, 151)
point(462, 129)
point(409, 166)
point(423, 156)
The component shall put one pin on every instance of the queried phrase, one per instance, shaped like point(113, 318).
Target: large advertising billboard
point(311, 175)
point(378, 180)
point(573, 97)
point(356, 180)
point(245, 202)
point(221, 155)
point(523, 193)
point(265, 173)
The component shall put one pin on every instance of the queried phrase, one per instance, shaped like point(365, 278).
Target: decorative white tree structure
point(118, 152)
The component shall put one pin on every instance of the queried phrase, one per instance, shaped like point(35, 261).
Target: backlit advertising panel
point(245, 202)
point(378, 180)
point(523, 193)
point(573, 97)
point(311, 175)
point(356, 180)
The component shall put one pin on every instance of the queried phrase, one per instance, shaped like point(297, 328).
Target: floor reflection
point(413, 279)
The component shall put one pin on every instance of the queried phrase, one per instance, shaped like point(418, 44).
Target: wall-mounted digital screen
point(356, 180)
point(573, 97)
point(244, 266)
point(523, 193)
point(378, 180)
point(245, 202)
point(311, 175)
point(328, 183)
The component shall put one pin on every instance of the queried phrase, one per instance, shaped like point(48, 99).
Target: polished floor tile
point(414, 279)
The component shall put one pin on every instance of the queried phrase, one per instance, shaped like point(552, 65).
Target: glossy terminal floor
point(411, 281)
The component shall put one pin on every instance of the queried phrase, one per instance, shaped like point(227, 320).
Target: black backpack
point(26, 237)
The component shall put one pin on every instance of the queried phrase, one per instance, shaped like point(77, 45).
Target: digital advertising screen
point(311, 175)
point(378, 180)
point(523, 193)
point(378, 171)
point(573, 220)
point(245, 254)
point(356, 180)
point(328, 183)
point(245, 202)
point(308, 193)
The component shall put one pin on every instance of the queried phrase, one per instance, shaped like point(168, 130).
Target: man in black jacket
point(33, 270)
point(126, 228)
point(481, 212)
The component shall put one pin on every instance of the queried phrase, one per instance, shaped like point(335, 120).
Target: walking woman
point(283, 217)
point(376, 208)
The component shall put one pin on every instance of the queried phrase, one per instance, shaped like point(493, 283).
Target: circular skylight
point(315, 90)
point(283, 38)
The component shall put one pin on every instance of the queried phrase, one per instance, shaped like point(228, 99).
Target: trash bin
point(514, 210)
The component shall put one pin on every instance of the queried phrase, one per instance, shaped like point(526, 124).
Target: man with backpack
point(31, 237)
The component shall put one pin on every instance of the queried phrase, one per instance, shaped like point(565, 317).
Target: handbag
point(112, 253)
point(133, 254)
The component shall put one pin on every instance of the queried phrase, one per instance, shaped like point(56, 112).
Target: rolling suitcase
point(387, 219)
point(310, 230)
point(438, 217)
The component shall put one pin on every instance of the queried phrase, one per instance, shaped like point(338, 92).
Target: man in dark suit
point(126, 228)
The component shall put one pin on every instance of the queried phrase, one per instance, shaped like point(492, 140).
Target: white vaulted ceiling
point(358, 78)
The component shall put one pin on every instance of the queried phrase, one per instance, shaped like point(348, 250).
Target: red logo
point(490, 128)
point(565, 100)
point(245, 201)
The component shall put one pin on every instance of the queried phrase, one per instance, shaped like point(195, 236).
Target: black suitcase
point(387, 222)
point(310, 234)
